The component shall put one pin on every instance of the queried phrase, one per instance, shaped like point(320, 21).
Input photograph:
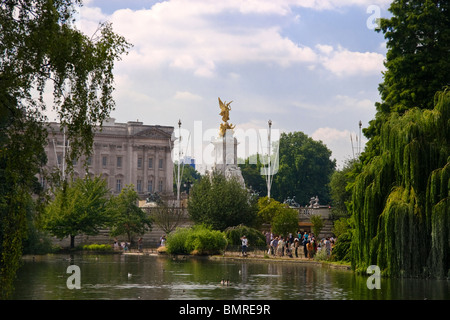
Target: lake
point(133, 277)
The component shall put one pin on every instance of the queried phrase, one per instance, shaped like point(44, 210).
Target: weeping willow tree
point(401, 199)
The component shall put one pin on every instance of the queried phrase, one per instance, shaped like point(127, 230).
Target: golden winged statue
point(225, 113)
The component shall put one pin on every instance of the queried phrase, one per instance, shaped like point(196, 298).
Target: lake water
point(114, 277)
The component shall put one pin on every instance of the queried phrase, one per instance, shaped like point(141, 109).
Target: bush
point(342, 247)
point(254, 236)
point(98, 247)
point(176, 241)
point(321, 255)
point(196, 240)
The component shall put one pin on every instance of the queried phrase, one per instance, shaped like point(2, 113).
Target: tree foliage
point(77, 208)
point(221, 203)
point(304, 170)
point(198, 240)
point(268, 209)
point(400, 198)
point(318, 224)
point(417, 65)
point(125, 215)
point(340, 188)
point(251, 172)
point(41, 50)
point(254, 236)
point(188, 177)
point(285, 222)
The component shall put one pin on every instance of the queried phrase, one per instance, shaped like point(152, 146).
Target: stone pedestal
point(225, 157)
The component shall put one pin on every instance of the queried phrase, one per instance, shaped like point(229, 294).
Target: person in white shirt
point(244, 245)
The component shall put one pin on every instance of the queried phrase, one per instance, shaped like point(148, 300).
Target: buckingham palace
point(124, 154)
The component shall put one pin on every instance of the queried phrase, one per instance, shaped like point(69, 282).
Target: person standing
point(296, 246)
point(305, 242)
point(328, 246)
point(244, 245)
point(274, 245)
point(280, 247)
point(309, 249)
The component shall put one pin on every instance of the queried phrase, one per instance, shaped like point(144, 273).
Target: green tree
point(39, 49)
point(77, 208)
point(251, 172)
point(285, 222)
point(268, 209)
point(417, 64)
point(400, 198)
point(340, 188)
point(126, 216)
point(188, 177)
point(318, 224)
point(221, 203)
point(304, 170)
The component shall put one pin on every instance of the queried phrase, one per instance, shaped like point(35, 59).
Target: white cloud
point(343, 62)
point(186, 95)
point(181, 35)
point(330, 134)
point(339, 142)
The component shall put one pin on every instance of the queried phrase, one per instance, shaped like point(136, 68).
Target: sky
point(307, 65)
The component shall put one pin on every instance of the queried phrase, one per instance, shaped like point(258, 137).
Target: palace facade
point(124, 154)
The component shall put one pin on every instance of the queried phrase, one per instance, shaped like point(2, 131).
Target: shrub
point(176, 241)
point(97, 247)
point(321, 255)
point(254, 236)
point(342, 247)
point(196, 240)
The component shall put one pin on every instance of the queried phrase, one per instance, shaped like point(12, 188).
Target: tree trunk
point(72, 241)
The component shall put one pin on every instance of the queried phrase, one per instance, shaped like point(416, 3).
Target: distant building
point(124, 154)
point(189, 161)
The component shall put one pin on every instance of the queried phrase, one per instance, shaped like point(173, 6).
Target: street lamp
point(269, 178)
point(179, 162)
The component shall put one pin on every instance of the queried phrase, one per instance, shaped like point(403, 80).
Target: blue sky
point(308, 65)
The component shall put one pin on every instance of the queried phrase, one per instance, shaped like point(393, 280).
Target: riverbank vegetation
point(400, 218)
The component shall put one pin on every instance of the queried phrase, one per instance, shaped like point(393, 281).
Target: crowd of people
point(302, 244)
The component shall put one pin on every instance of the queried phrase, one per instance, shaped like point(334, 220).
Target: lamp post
point(179, 162)
point(269, 178)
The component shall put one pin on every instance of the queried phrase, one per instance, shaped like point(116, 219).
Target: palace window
point(150, 163)
point(139, 185)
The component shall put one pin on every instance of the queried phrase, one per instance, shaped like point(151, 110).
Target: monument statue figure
point(225, 147)
point(225, 113)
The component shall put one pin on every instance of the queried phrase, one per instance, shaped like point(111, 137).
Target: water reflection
point(154, 277)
